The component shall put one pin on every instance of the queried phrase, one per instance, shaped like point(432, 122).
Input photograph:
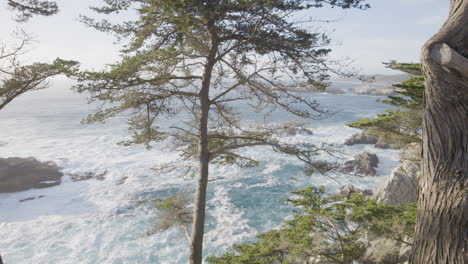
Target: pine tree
point(194, 59)
point(29, 8)
point(402, 126)
point(17, 78)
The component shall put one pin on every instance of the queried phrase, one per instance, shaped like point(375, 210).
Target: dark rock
point(88, 176)
point(349, 189)
point(31, 198)
point(122, 181)
point(361, 138)
point(292, 131)
point(363, 164)
point(21, 174)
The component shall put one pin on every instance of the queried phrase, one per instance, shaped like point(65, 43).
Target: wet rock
point(88, 176)
point(349, 189)
point(31, 198)
point(122, 181)
point(364, 164)
point(21, 174)
point(293, 131)
point(360, 138)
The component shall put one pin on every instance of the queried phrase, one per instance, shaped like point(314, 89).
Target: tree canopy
point(195, 59)
point(17, 78)
point(28, 8)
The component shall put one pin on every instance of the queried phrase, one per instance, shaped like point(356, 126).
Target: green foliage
point(173, 211)
point(399, 127)
point(193, 59)
point(169, 44)
point(29, 8)
point(411, 68)
point(19, 79)
point(330, 228)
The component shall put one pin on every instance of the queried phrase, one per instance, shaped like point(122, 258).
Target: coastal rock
point(349, 189)
point(373, 90)
point(293, 131)
point(401, 186)
point(364, 164)
point(21, 174)
point(382, 143)
point(361, 138)
point(31, 198)
point(88, 175)
point(381, 250)
point(334, 91)
point(412, 152)
point(313, 89)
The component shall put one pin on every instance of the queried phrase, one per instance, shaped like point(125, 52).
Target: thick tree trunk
point(198, 225)
point(442, 221)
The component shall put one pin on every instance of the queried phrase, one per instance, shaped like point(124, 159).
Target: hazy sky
point(391, 29)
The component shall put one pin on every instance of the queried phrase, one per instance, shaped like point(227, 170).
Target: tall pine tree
point(194, 59)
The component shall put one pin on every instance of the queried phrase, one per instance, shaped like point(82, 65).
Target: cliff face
point(399, 188)
point(402, 184)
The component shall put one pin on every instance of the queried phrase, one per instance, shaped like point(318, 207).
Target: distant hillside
point(379, 78)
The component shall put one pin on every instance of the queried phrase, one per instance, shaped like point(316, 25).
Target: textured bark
point(198, 225)
point(441, 230)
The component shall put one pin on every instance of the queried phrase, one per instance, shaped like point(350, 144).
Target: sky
point(389, 30)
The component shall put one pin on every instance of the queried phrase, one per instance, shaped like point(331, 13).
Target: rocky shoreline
point(400, 187)
point(21, 174)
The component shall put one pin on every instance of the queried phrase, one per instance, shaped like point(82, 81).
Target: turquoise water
point(102, 222)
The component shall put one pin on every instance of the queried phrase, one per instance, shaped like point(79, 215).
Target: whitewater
point(102, 221)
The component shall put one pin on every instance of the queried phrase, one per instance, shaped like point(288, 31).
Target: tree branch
point(450, 58)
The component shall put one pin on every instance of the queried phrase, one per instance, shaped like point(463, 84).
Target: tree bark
point(442, 222)
point(198, 225)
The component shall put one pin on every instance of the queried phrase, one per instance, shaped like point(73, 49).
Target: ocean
point(101, 221)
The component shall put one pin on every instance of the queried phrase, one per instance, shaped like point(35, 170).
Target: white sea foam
point(98, 221)
point(231, 225)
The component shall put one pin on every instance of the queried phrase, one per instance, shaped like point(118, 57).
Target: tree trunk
point(441, 229)
point(198, 225)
